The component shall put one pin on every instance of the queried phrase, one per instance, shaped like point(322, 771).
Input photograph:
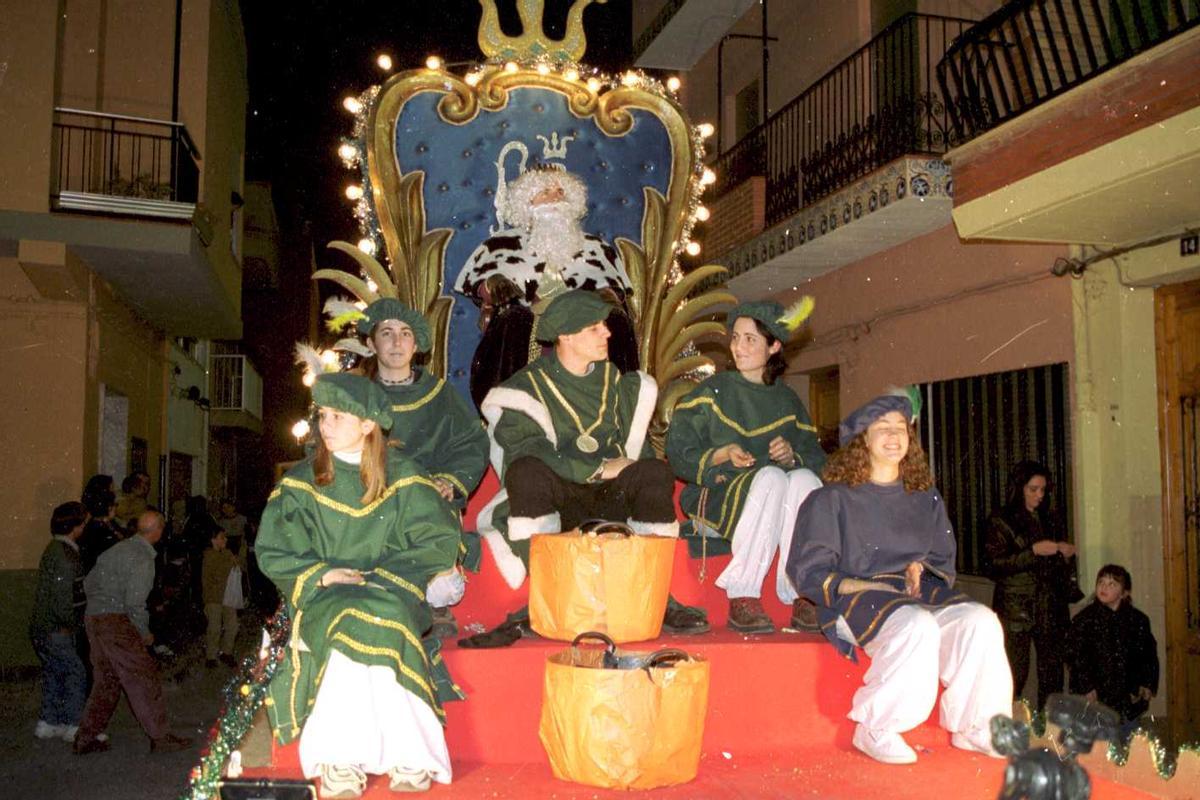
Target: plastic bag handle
point(667, 657)
point(609, 645)
point(603, 526)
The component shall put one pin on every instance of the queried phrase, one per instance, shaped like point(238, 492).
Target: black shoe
point(445, 626)
point(80, 748)
point(170, 743)
point(503, 635)
point(681, 620)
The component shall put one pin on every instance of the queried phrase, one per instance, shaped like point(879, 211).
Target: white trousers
point(764, 528)
point(962, 646)
point(362, 716)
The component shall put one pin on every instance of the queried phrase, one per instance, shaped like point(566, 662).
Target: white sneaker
point(342, 781)
point(975, 740)
point(406, 780)
point(69, 731)
point(46, 730)
point(883, 746)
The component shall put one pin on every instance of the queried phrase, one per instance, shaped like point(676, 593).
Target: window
point(976, 429)
point(746, 111)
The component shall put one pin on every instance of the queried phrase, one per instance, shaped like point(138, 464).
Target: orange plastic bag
point(608, 582)
point(623, 728)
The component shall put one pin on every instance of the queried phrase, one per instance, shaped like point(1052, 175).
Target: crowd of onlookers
point(122, 589)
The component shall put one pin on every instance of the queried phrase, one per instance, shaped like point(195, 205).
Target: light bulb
point(708, 177)
point(543, 69)
point(385, 62)
point(352, 104)
point(571, 74)
point(372, 285)
point(692, 248)
point(511, 66)
point(702, 213)
point(705, 129)
point(300, 429)
point(673, 83)
point(348, 152)
point(367, 246)
point(328, 358)
point(473, 78)
point(593, 84)
point(354, 192)
point(309, 379)
point(629, 78)
point(433, 62)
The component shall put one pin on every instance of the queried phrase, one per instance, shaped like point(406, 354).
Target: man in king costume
point(358, 685)
point(569, 442)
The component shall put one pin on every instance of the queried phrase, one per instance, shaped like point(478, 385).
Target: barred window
point(976, 429)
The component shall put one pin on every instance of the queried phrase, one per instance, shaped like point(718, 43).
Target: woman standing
point(745, 443)
point(1035, 579)
point(875, 550)
point(351, 536)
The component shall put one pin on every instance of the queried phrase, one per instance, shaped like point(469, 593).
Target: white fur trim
point(667, 529)
point(524, 527)
point(642, 412)
point(499, 400)
point(512, 569)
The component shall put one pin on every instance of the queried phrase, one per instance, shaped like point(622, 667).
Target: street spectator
point(235, 526)
point(57, 616)
point(222, 600)
point(1110, 649)
point(132, 502)
point(118, 630)
point(96, 486)
point(101, 532)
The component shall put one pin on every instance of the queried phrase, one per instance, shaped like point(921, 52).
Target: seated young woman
point(744, 442)
point(874, 548)
point(351, 536)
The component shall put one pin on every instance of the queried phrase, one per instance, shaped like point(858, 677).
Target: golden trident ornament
point(533, 40)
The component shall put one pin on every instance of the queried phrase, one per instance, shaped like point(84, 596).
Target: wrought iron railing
point(1030, 51)
point(234, 385)
point(879, 104)
point(123, 157)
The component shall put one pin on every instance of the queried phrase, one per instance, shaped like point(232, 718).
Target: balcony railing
point(111, 163)
point(1030, 51)
point(234, 385)
point(879, 104)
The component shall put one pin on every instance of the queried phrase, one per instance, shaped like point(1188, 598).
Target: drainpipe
point(175, 68)
point(764, 39)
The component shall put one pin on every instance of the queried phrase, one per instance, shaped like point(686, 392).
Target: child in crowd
point(1110, 650)
point(57, 616)
point(220, 605)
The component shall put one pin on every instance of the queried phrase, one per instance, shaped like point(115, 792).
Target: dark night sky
point(305, 57)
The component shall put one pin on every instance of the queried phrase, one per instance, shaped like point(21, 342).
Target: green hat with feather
point(386, 308)
point(779, 322)
point(353, 394)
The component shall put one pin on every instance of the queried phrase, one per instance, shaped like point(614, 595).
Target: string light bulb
point(702, 213)
point(571, 74)
point(673, 83)
point(352, 104)
point(629, 78)
point(511, 66)
point(348, 152)
point(367, 246)
point(543, 69)
point(328, 357)
point(301, 429)
point(309, 379)
point(705, 129)
point(354, 192)
point(708, 177)
point(593, 84)
point(433, 62)
point(473, 78)
point(692, 248)
point(372, 285)
point(384, 62)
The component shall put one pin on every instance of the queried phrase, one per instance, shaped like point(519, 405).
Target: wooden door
point(1178, 346)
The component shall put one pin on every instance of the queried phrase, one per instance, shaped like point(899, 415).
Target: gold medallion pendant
point(586, 443)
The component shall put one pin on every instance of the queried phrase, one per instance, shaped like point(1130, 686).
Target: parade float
point(438, 153)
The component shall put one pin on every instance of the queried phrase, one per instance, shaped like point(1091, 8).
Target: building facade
point(986, 200)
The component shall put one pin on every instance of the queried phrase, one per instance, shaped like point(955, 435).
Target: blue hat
point(861, 418)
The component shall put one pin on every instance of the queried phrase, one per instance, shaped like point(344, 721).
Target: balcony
point(114, 164)
point(235, 391)
point(1075, 119)
point(848, 168)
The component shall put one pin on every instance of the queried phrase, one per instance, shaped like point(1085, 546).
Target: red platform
point(776, 723)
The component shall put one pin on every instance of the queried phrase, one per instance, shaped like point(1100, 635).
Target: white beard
point(554, 236)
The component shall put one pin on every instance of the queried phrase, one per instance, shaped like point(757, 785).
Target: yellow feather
point(798, 312)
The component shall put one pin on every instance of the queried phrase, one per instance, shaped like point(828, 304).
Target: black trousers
point(1049, 641)
point(643, 492)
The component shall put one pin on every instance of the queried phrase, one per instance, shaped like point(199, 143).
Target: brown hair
point(776, 365)
point(851, 464)
point(372, 470)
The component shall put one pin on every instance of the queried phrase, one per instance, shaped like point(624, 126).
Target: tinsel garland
point(244, 695)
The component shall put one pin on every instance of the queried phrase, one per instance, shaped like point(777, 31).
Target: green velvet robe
point(439, 430)
point(399, 541)
point(728, 409)
point(526, 418)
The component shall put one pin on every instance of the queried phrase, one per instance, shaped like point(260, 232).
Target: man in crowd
point(135, 489)
point(118, 631)
point(570, 433)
